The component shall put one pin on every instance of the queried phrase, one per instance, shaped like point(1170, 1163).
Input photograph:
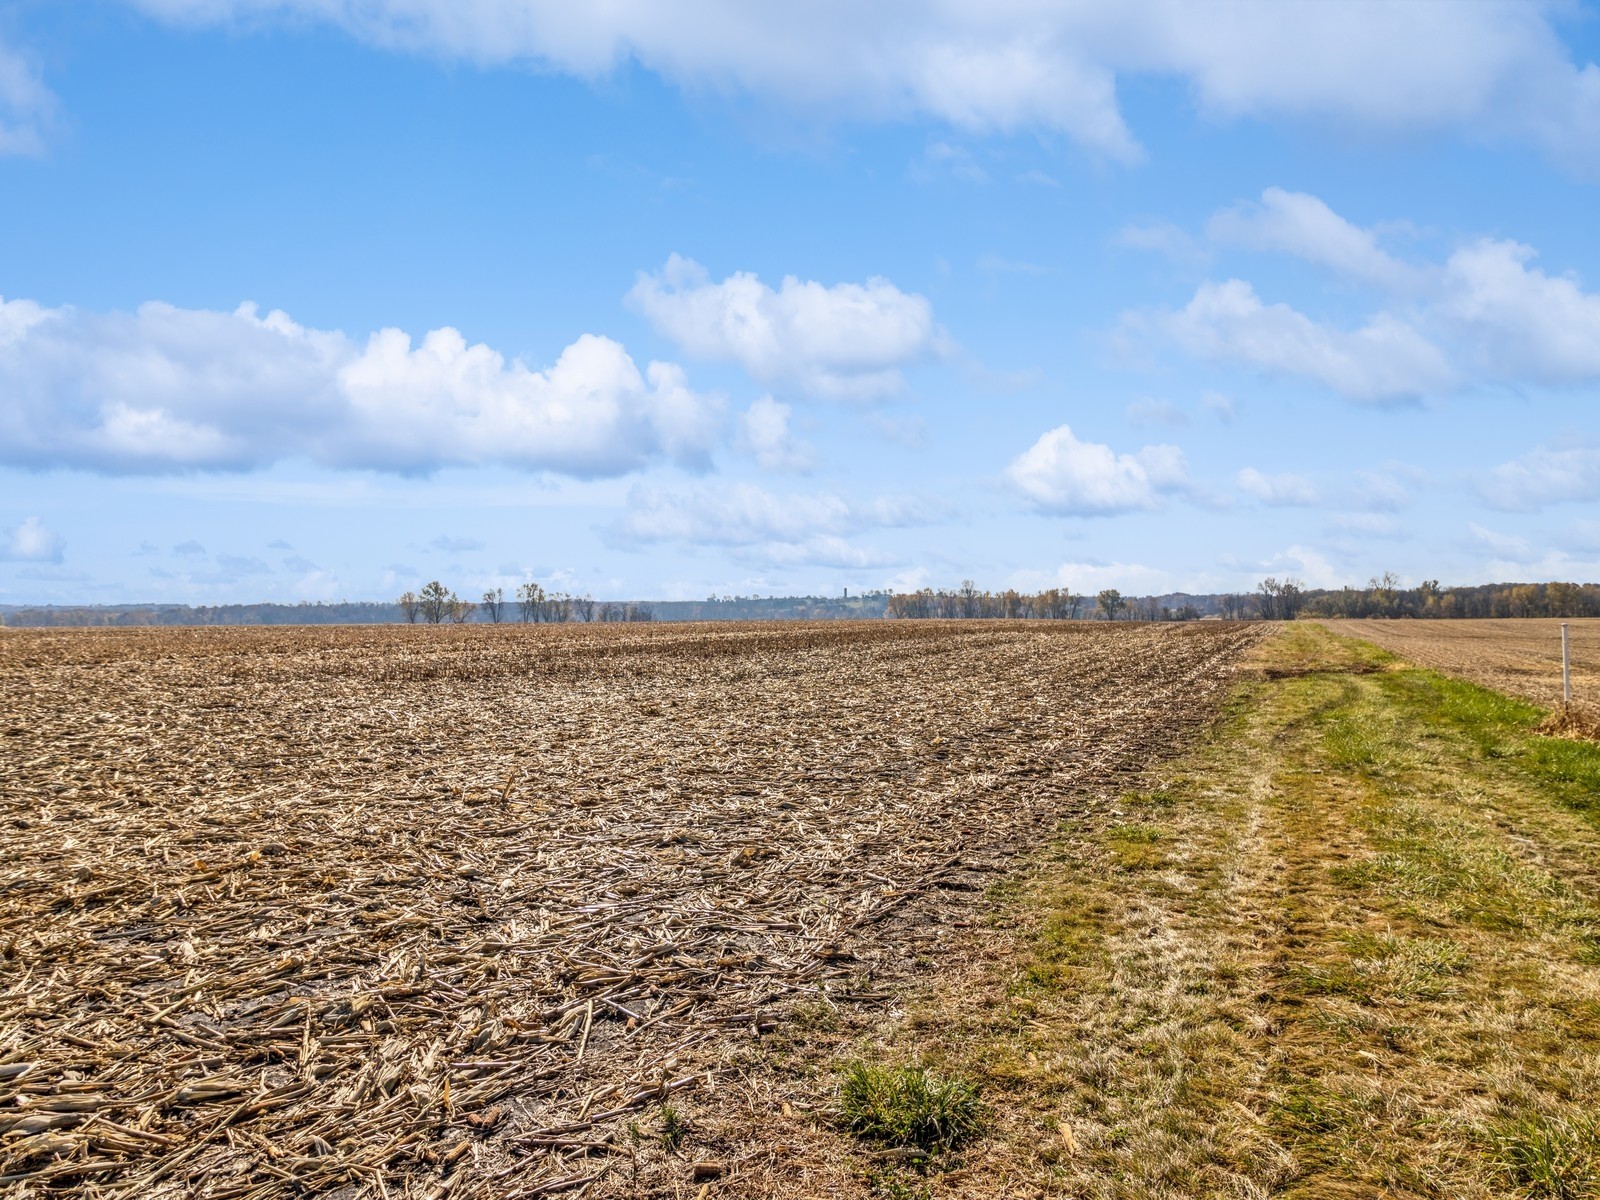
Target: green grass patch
point(1136, 846)
point(1386, 968)
point(1504, 728)
point(908, 1107)
point(1548, 1157)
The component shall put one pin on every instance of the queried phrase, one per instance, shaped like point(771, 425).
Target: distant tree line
point(435, 605)
point(1384, 597)
point(1052, 604)
point(1272, 599)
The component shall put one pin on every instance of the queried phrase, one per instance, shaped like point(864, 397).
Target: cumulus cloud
point(1547, 475)
point(30, 541)
point(1384, 360)
point(786, 528)
point(1306, 564)
point(1304, 226)
point(849, 341)
point(1061, 475)
point(1519, 322)
point(167, 389)
point(1482, 314)
point(26, 105)
point(765, 435)
point(1278, 491)
point(1490, 71)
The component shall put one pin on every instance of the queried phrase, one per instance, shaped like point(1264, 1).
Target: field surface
point(479, 911)
point(1518, 656)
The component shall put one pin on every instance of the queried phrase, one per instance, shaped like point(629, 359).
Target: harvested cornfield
point(1520, 656)
point(439, 911)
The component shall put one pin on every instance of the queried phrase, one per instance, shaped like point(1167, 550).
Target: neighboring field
point(499, 911)
point(1519, 656)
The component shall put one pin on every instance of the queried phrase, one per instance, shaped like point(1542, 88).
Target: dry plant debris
point(430, 912)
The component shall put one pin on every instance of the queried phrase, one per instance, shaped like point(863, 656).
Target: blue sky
point(318, 299)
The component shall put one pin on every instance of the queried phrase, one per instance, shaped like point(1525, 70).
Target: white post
point(1566, 667)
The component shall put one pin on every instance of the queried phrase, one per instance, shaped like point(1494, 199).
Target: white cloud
point(1488, 315)
point(168, 389)
point(30, 541)
point(1490, 71)
point(785, 528)
point(1305, 564)
point(1519, 322)
point(1302, 225)
point(849, 341)
point(1060, 474)
point(1547, 475)
point(1384, 360)
point(1277, 490)
point(26, 105)
point(764, 434)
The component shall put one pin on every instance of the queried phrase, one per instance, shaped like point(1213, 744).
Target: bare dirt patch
point(468, 912)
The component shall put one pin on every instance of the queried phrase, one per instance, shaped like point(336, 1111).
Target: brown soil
point(462, 911)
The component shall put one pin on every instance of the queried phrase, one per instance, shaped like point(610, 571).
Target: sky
point(323, 299)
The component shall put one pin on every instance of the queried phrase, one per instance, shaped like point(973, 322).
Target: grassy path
point(1350, 947)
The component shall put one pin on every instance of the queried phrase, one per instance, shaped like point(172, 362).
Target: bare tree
point(530, 599)
point(435, 602)
point(968, 594)
point(410, 607)
point(494, 602)
point(584, 607)
point(460, 610)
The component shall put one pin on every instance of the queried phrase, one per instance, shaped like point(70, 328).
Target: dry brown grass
point(501, 912)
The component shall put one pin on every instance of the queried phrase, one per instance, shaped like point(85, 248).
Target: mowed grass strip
point(1348, 947)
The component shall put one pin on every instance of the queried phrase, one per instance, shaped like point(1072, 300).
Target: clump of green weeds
point(908, 1107)
point(673, 1127)
point(1549, 1156)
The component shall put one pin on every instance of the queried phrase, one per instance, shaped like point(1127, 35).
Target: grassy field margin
point(1349, 946)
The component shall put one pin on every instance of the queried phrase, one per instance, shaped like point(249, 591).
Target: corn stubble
point(439, 912)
